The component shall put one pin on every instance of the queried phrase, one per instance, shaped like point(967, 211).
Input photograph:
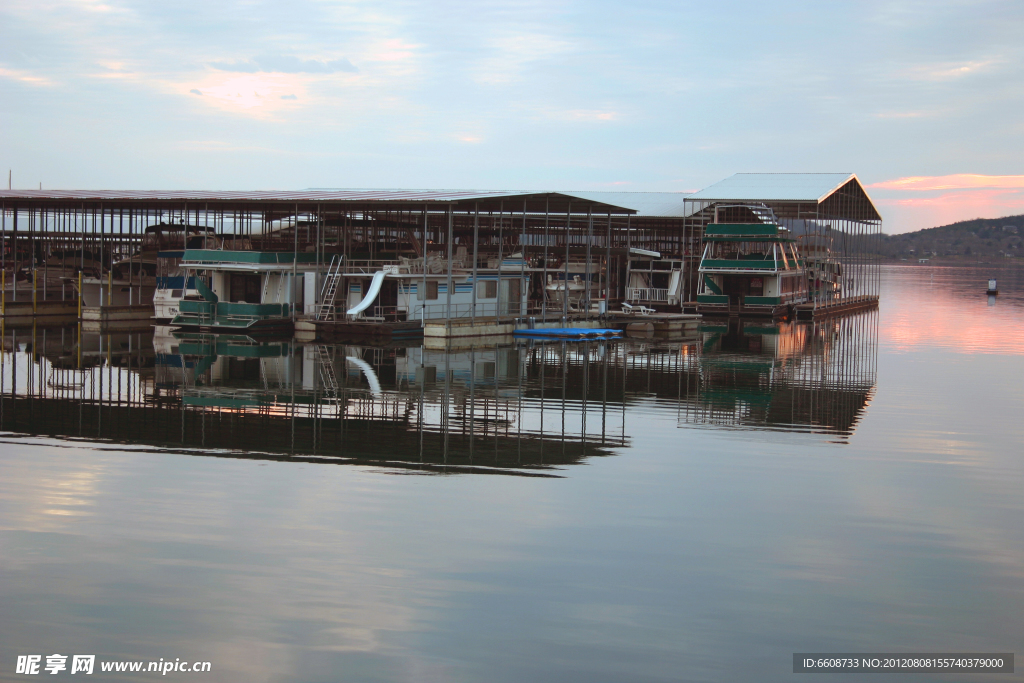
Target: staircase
point(329, 289)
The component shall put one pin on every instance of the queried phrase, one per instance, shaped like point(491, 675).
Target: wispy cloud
point(508, 55)
point(25, 77)
point(902, 114)
point(258, 94)
point(945, 71)
point(591, 115)
point(287, 64)
point(916, 202)
point(959, 181)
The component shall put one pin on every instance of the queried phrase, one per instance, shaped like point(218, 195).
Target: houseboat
point(417, 289)
point(652, 280)
point(170, 282)
point(129, 282)
point(149, 275)
point(576, 282)
point(750, 269)
point(254, 291)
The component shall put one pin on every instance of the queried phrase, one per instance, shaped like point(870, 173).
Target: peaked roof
point(653, 204)
point(776, 187)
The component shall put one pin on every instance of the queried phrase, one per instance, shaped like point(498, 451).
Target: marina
point(390, 264)
point(583, 342)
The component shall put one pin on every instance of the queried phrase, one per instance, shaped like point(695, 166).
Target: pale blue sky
point(115, 94)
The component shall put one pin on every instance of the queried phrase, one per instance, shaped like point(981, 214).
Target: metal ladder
point(329, 289)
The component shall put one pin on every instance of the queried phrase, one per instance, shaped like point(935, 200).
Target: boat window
point(244, 287)
point(488, 289)
point(429, 293)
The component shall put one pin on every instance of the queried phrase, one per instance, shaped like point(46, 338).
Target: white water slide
point(378, 280)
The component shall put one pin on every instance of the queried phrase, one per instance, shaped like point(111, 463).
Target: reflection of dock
point(518, 406)
point(394, 407)
point(793, 377)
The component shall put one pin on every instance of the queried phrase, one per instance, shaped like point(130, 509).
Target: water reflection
point(727, 521)
point(524, 407)
point(816, 377)
point(500, 408)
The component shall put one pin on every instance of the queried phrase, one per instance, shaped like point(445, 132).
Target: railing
point(435, 265)
point(489, 309)
point(646, 294)
point(368, 266)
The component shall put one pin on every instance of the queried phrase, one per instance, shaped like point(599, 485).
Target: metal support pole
point(590, 238)
point(501, 254)
point(423, 290)
point(295, 260)
point(448, 286)
point(565, 282)
point(544, 279)
point(522, 267)
point(476, 244)
point(608, 263)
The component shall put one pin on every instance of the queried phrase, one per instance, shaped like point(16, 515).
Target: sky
point(922, 100)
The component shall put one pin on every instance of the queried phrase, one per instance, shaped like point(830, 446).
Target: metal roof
point(651, 204)
point(406, 199)
point(775, 187)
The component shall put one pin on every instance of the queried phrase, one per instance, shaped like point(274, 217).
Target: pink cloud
point(917, 202)
point(959, 181)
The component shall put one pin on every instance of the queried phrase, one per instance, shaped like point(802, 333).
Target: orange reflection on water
point(946, 307)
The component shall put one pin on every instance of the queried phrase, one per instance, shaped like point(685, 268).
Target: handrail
point(646, 294)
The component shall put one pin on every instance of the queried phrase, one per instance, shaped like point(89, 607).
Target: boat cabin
point(245, 290)
point(750, 269)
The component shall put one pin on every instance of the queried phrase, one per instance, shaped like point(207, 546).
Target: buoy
point(992, 288)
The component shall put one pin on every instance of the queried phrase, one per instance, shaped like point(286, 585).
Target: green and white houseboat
point(251, 291)
point(750, 269)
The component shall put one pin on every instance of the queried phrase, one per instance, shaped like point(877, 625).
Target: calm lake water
point(692, 509)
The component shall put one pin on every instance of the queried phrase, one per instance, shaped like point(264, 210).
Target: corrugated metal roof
point(652, 204)
point(406, 198)
point(777, 187)
point(262, 195)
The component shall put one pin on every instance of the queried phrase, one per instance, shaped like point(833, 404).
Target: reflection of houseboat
point(653, 280)
point(782, 375)
point(245, 290)
point(751, 269)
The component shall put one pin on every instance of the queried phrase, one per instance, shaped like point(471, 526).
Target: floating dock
point(811, 311)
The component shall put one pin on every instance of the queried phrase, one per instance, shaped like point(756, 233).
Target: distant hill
point(985, 239)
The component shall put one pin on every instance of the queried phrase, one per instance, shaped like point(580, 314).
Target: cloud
point(917, 202)
point(24, 77)
point(510, 54)
point(901, 115)
point(959, 181)
point(253, 94)
point(286, 64)
point(591, 115)
point(949, 70)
